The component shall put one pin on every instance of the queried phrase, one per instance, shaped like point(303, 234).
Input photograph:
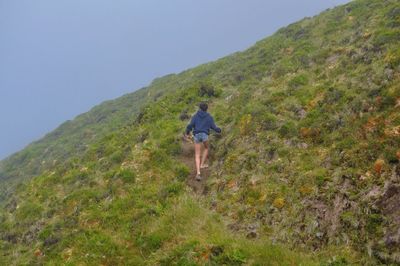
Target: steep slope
point(72, 137)
point(309, 159)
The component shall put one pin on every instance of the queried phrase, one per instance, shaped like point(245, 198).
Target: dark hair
point(203, 106)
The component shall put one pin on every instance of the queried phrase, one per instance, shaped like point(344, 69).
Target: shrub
point(288, 130)
point(150, 243)
point(386, 36)
point(182, 172)
point(374, 221)
point(332, 95)
point(174, 188)
point(393, 57)
point(298, 81)
point(393, 18)
point(233, 257)
point(268, 121)
point(171, 145)
point(207, 89)
point(127, 175)
point(117, 156)
point(158, 158)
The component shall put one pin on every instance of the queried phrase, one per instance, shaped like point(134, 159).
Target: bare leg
point(205, 155)
point(197, 150)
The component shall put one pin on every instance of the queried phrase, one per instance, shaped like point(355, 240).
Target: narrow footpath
point(187, 157)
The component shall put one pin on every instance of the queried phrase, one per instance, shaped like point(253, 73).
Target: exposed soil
point(187, 157)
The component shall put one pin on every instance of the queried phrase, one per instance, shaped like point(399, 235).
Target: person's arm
point(214, 127)
point(190, 127)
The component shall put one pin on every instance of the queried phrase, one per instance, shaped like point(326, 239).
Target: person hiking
point(201, 124)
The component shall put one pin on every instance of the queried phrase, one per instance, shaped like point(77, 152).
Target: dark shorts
point(200, 137)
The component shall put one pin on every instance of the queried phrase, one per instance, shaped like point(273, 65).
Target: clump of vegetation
point(298, 81)
point(245, 124)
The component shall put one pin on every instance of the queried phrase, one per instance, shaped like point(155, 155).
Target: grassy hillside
point(73, 137)
point(308, 162)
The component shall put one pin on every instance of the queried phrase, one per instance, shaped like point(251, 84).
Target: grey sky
point(60, 58)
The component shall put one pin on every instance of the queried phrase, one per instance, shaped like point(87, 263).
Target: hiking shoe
point(198, 177)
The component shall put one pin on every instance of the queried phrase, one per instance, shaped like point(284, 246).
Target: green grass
point(189, 234)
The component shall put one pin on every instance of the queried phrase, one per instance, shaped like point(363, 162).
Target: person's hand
point(186, 136)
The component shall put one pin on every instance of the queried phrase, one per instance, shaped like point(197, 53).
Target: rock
point(392, 191)
point(392, 240)
point(389, 73)
point(253, 227)
point(289, 143)
point(395, 177)
point(397, 103)
point(332, 60)
point(374, 193)
point(302, 145)
point(302, 113)
point(366, 176)
point(390, 207)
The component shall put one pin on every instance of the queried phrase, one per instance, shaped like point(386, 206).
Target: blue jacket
point(202, 122)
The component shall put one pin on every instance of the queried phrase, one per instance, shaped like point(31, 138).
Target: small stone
point(302, 113)
point(365, 176)
point(303, 145)
point(389, 73)
point(288, 142)
point(374, 193)
point(229, 98)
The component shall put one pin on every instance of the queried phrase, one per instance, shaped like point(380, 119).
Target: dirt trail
point(187, 157)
